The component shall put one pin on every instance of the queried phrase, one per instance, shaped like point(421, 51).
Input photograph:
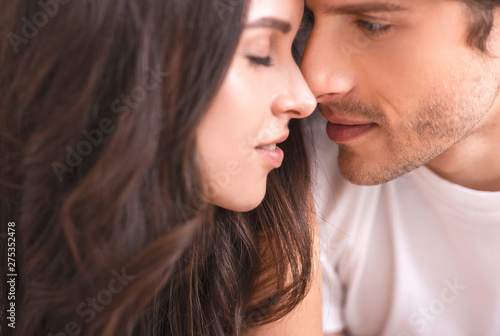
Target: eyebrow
point(361, 8)
point(273, 23)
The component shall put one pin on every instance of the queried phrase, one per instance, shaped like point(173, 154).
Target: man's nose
point(327, 65)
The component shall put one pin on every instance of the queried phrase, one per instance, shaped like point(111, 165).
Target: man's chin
point(364, 180)
point(364, 174)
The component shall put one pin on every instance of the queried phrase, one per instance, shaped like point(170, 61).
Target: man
point(408, 198)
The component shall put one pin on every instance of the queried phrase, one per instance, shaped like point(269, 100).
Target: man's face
point(397, 82)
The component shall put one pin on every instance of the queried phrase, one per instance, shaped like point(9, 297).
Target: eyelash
point(369, 28)
point(264, 61)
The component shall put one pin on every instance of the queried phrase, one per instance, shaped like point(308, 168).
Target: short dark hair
point(481, 16)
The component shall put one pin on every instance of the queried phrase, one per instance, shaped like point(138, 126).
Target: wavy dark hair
point(481, 22)
point(99, 105)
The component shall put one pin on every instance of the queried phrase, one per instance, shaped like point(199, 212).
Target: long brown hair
point(99, 105)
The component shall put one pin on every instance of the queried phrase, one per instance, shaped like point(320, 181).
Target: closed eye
point(265, 61)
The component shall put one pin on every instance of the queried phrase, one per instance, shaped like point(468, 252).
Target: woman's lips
point(342, 133)
point(273, 156)
point(271, 152)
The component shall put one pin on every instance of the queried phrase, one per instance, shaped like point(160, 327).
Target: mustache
point(354, 108)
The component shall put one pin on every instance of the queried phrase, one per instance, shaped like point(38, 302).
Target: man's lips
point(346, 121)
point(343, 130)
point(340, 133)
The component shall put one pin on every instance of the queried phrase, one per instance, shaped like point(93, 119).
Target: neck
point(474, 162)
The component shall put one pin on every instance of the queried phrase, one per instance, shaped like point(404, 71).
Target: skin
point(263, 90)
point(432, 98)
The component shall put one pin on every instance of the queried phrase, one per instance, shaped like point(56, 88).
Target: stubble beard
point(428, 132)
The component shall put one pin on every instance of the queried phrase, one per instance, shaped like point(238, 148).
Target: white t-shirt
point(415, 256)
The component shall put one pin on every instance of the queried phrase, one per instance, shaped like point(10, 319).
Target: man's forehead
point(359, 6)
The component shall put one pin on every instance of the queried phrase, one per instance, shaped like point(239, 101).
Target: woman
point(136, 136)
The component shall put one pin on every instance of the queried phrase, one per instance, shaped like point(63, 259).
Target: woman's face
point(249, 116)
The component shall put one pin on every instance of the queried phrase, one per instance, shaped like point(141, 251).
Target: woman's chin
point(241, 201)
